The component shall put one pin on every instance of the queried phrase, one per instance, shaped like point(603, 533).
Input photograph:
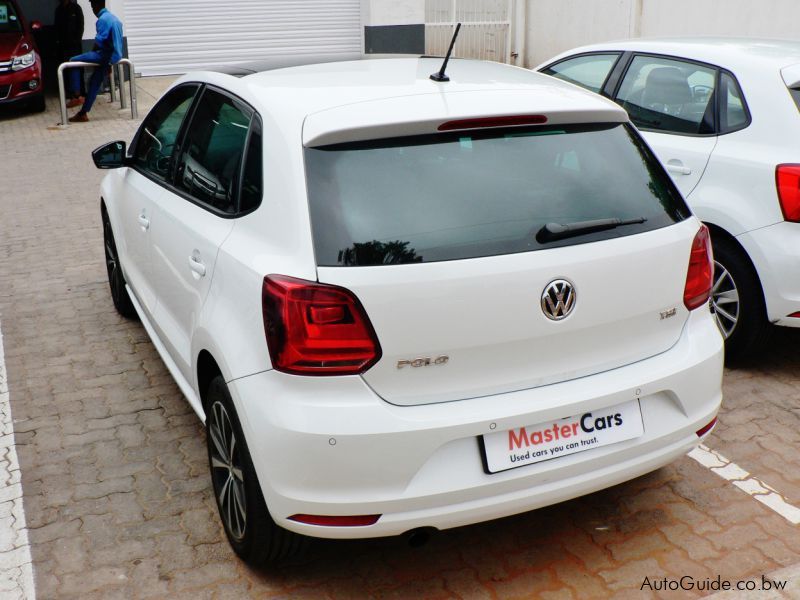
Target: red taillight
point(795, 315)
point(707, 428)
point(787, 178)
point(329, 521)
point(509, 121)
point(316, 329)
point(700, 276)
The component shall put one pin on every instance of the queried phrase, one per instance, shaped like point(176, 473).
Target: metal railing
point(62, 96)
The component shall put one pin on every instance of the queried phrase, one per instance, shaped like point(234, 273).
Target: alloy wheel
point(226, 472)
point(112, 263)
point(725, 300)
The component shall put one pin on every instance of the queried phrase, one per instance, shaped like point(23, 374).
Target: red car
point(20, 63)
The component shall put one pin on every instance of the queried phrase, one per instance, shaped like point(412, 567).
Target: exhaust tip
point(419, 537)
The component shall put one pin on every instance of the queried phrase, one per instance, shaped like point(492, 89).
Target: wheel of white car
point(116, 279)
point(738, 302)
point(252, 533)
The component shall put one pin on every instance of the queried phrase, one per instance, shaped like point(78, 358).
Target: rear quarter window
point(480, 193)
point(795, 92)
point(589, 71)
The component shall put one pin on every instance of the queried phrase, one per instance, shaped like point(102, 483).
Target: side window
point(209, 165)
point(669, 95)
point(588, 71)
point(252, 179)
point(156, 138)
point(733, 111)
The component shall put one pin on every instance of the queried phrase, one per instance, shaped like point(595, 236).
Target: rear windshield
point(472, 194)
point(9, 22)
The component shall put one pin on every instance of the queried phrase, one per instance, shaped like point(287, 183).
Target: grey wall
point(394, 39)
point(41, 10)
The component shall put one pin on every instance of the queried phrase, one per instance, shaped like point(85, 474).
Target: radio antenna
point(440, 76)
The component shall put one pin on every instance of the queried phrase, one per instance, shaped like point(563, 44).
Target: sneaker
point(80, 117)
point(73, 102)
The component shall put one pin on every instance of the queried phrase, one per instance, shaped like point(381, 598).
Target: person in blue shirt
point(107, 51)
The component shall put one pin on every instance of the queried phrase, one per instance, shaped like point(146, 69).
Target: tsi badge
point(668, 314)
point(425, 361)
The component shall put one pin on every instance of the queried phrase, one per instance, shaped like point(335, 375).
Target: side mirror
point(36, 25)
point(110, 156)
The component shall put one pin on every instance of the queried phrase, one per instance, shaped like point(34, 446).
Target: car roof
point(397, 93)
point(727, 52)
point(373, 79)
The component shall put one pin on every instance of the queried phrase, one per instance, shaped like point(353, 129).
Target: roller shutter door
point(176, 36)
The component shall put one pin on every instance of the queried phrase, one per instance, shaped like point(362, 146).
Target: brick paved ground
point(114, 475)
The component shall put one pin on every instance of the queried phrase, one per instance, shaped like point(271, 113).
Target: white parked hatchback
point(722, 115)
point(404, 305)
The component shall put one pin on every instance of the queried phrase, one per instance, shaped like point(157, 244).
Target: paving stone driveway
point(114, 474)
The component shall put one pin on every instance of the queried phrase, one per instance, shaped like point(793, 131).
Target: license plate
point(534, 443)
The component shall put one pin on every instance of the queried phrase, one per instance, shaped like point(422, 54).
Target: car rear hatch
point(455, 244)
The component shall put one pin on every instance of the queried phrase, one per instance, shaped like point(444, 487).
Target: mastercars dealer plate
point(535, 443)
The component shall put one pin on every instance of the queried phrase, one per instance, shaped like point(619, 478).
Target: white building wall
point(393, 12)
point(393, 27)
point(553, 26)
point(557, 25)
point(751, 18)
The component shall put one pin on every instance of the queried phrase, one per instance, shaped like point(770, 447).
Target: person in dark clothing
point(68, 23)
point(107, 51)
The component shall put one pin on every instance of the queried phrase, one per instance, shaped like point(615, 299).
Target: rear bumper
point(330, 446)
point(775, 252)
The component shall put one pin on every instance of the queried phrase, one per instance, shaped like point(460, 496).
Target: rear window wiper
point(558, 231)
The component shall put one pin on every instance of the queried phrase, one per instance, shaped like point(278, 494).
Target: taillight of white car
point(700, 276)
point(787, 178)
point(316, 329)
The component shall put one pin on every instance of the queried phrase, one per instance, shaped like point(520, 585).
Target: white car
point(402, 305)
point(722, 115)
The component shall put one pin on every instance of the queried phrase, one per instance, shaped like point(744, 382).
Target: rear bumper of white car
point(775, 251)
point(331, 446)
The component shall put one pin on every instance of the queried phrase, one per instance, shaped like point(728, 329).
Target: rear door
point(144, 185)
point(672, 102)
point(447, 240)
point(196, 215)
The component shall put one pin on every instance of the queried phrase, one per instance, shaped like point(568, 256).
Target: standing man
point(69, 35)
point(107, 51)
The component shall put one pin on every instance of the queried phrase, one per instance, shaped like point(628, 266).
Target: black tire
point(116, 279)
point(738, 302)
point(251, 532)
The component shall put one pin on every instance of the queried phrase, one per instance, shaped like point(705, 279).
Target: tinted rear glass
point(795, 96)
point(473, 194)
point(589, 71)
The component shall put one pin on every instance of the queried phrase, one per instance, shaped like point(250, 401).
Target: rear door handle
point(196, 265)
point(677, 167)
point(144, 222)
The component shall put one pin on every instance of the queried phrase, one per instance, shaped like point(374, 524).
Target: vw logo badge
point(558, 299)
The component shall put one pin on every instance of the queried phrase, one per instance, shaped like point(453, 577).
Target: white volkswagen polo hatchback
point(401, 304)
point(722, 115)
